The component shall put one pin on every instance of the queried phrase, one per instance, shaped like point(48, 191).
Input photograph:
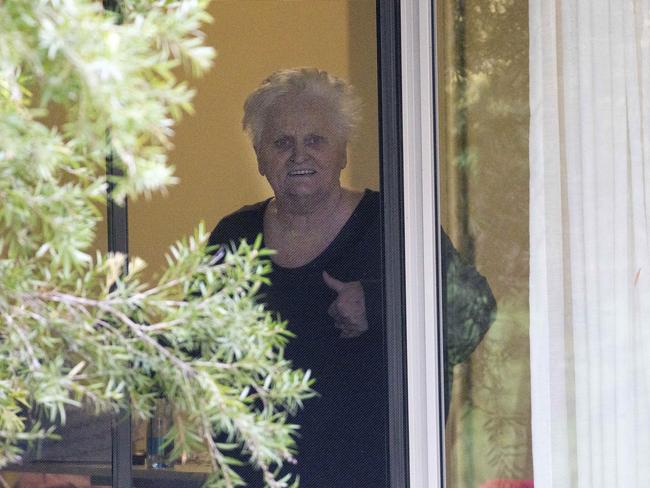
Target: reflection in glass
point(85, 441)
point(50, 480)
point(483, 68)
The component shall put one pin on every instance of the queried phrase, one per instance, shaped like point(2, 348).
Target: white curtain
point(589, 231)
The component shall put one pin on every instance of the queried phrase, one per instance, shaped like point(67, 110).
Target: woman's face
point(301, 153)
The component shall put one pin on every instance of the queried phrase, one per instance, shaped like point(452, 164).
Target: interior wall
point(213, 157)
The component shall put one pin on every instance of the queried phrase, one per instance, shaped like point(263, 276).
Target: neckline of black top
point(349, 229)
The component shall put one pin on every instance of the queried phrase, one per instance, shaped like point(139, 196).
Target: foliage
point(492, 418)
point(78, 331)
point(484, 88)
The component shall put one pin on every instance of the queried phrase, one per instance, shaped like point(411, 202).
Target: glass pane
point(544, 181)
point(341, 442)
point(84, 447)
point(484, 172)
point(80, 459)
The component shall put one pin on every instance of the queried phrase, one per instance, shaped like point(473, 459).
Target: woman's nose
point(299, 153)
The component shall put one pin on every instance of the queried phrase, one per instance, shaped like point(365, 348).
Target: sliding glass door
point(538, 209)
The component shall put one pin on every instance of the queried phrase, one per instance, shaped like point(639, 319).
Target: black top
point(342, 441)
point(343, 434)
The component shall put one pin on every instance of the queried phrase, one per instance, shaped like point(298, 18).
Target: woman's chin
point(308, 190)
point(304, 189)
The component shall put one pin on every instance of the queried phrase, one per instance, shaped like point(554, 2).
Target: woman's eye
point(282, 143)
point(314, 140)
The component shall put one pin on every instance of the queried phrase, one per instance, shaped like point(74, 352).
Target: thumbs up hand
point(349, 308)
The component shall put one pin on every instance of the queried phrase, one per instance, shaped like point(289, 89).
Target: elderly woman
point(326, 271)
point(326, 278)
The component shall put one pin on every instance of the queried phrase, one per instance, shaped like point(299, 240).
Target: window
point(541, 141)
point(219, 174)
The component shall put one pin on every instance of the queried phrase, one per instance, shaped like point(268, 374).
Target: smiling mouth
point(302, 172)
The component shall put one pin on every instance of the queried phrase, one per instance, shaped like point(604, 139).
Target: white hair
point(314, 83)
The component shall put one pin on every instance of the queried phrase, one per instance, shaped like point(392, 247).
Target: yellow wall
point(213, 157)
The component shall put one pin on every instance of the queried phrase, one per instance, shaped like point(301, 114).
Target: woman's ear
point(344, 158)
point(260, 166)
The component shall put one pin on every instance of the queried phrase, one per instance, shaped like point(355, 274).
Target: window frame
point(423, 297)
point(410, 218)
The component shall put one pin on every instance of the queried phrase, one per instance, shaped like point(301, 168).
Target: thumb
point(333, 283)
